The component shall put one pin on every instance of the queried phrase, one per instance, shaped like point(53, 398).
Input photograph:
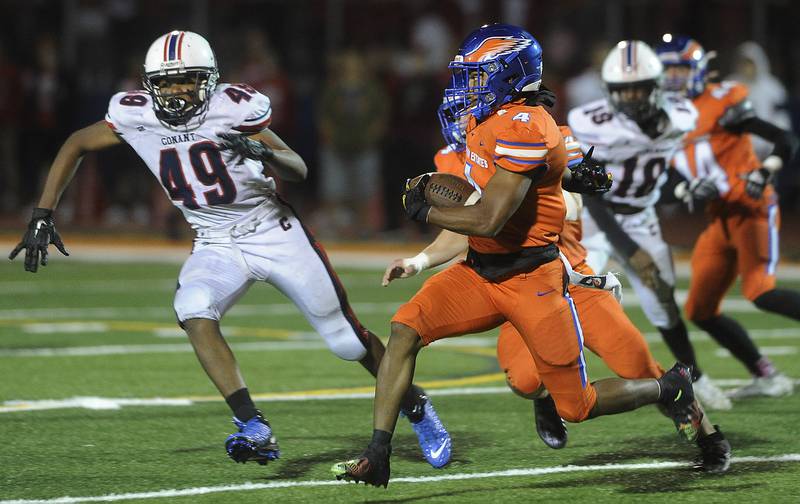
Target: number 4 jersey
point(637, 162)
point(211, 187)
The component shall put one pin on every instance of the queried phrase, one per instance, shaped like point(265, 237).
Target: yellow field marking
point(483, 351)
point(431, 384)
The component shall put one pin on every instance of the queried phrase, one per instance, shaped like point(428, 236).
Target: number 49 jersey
point(637, 162)
point(211, 187)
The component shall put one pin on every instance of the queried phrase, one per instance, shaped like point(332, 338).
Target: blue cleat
point(433, 437)
point(254, 441)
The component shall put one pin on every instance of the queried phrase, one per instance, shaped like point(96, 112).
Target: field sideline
point(102, 400)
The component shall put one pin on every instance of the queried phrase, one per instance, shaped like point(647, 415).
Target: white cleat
point(775, 385)
point(711, 396)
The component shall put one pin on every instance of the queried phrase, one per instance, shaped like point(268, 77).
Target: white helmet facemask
point(180, 73)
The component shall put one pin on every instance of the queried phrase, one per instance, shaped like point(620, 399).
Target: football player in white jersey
point(635, 132)
point(209, 144)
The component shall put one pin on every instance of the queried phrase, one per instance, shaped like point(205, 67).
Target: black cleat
point(549, 425)
point(715, 452)
point(677, 397)
point(372, 467)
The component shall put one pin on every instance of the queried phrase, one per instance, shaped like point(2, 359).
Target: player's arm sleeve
point(256, 114)
point(524, 150)
point(605, 220)
point(574, 152)
point(739, 119)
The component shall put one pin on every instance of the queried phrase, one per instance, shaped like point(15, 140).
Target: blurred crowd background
point(354, 85)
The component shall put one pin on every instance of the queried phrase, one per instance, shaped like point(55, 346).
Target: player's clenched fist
point(414, 203)
point(40, 234)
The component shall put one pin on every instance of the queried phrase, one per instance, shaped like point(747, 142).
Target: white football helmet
point(633, 73)
point(180, 57)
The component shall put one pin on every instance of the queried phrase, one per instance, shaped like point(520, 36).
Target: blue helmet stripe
point(629, 53)
point(173, 45)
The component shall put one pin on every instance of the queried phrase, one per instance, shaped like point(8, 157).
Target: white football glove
point(698, 189)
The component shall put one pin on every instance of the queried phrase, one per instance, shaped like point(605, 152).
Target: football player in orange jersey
point(742, 238)
point(624, 349)
point(516, 157)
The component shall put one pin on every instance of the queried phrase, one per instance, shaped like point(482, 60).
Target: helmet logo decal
point(496, 46)
point(173, 46)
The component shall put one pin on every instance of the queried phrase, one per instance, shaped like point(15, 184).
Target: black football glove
point(757, 180)
point(246, 147)
point(41, 233)
point(588, 177)
point(414, 199)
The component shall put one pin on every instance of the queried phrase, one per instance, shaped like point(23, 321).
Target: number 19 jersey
point(637, 162)
point(209, 186)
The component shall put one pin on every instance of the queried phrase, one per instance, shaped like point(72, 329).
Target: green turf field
point(77, 330)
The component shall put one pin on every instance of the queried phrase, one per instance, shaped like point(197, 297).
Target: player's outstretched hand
point(40, 234)
point(757, 181)
point(246, 147)
point(414, 203)
point(399, 268)
point(696, 190)
point(588, 177)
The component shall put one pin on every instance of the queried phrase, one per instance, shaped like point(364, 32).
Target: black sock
point(242, 405)
point(413, 403)
point(677, 339)
point(381, 438)
point(731, 335)
point(781, 301)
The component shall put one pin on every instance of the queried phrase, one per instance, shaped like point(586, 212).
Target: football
point(446, 190)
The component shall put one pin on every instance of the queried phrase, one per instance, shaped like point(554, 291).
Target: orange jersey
point(449, 160)
point(713, 151)
point(520, 139)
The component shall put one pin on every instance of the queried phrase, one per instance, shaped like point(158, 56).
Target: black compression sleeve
point(605, 220)
point(786, 143)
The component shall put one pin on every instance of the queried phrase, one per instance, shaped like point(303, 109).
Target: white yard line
point(509, 473)
point(15, 406)
point(764, 350)
point(81, 351)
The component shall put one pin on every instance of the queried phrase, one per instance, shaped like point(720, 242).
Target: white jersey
point(211, 187)
point(637, 162)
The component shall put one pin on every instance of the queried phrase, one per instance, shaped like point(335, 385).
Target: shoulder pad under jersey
point(682, 113)
point(523, 137)
point(249, 110)
point(126, 110)
point(590, 123)
point(737, 113)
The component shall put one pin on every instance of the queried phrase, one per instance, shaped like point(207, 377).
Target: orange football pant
point(607, 332)
point(739, 244)
point(458, 301)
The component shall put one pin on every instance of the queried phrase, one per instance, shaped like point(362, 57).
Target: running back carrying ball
point(445, 190)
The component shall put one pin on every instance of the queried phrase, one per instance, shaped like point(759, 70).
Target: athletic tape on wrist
point(608, 282)
point(419, 262)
